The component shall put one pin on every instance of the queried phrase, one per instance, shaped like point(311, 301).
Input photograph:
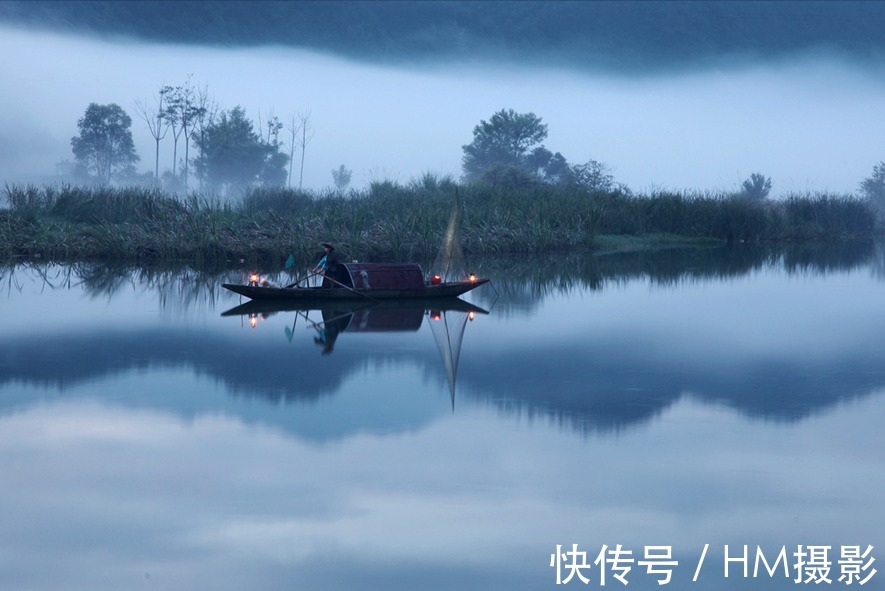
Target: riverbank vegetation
point(390, 221)
point(516, 196)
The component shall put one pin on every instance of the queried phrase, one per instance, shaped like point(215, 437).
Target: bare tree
point(172, 114)
point(194, 110)
point(294, 129)
point(157, 124)
point(306, 135)
point(185, 108)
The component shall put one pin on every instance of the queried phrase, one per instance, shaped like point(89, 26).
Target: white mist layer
point(811, 124)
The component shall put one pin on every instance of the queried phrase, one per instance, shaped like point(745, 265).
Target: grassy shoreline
point(388, 221)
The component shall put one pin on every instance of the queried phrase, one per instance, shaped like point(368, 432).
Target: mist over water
point(811, 124)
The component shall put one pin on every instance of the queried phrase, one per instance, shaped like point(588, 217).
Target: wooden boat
point(364, 281)
point(384, 316)
point(268, 307)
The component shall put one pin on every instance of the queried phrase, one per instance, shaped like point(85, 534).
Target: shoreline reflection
point(520, 281)
point(767, 346)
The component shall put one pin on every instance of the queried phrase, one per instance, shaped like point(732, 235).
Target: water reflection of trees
point(831, 258)
point(878, 264)
point(182, 287)
point(519, 282)
point(610, 383)
point(522, 282)
point(607, 385)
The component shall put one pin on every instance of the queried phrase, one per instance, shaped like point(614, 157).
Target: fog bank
point(810, 124)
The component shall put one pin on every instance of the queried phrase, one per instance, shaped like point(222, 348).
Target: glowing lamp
point(435, 280)
point(472, 277)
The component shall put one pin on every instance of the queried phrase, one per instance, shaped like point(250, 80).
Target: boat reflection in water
point(447, 317)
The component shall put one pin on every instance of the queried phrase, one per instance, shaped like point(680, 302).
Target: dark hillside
point(642, 34)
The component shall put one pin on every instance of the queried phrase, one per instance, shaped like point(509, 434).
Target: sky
point(811, 124)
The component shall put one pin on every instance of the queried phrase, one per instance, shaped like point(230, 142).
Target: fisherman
point(328, 266)
point(329, 329)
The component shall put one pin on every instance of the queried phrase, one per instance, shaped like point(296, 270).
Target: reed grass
point(389, 221)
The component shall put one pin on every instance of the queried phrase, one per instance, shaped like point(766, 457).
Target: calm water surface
point(149, 441)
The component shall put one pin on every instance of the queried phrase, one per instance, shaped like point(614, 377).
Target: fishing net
point(450, 264)
point(448, 331)
point(448, 325)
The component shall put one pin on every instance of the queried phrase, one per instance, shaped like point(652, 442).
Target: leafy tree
point(206, 116)
point(509, 177)
point(234, 156)
point(873, 187)
point(130, 177)
point(273, 173)
point(173, 182)
point(341, 176)
point(592, 175)
point(757, 187)
point(508, 139)
point(271, 127)
point(104, 145)
point(552, 168)
point(507, 151)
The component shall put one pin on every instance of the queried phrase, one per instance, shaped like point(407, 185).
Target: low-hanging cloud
point(811, 124)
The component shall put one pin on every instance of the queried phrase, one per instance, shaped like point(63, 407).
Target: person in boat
point(328, 266)
point(328, 331)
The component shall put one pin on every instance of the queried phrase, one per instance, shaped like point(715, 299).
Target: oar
point(336, 282)
point(308, 276)
point(317, 325)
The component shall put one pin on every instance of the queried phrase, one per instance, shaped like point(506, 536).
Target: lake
point(601, 421)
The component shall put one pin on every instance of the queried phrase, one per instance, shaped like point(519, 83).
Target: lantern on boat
point(253, 279)
point(435, 280)
point(472, 277)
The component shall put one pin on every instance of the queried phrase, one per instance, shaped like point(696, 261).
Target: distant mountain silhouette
point(611, 34)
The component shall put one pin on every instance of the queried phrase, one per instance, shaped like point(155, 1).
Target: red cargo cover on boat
point(385, 275)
